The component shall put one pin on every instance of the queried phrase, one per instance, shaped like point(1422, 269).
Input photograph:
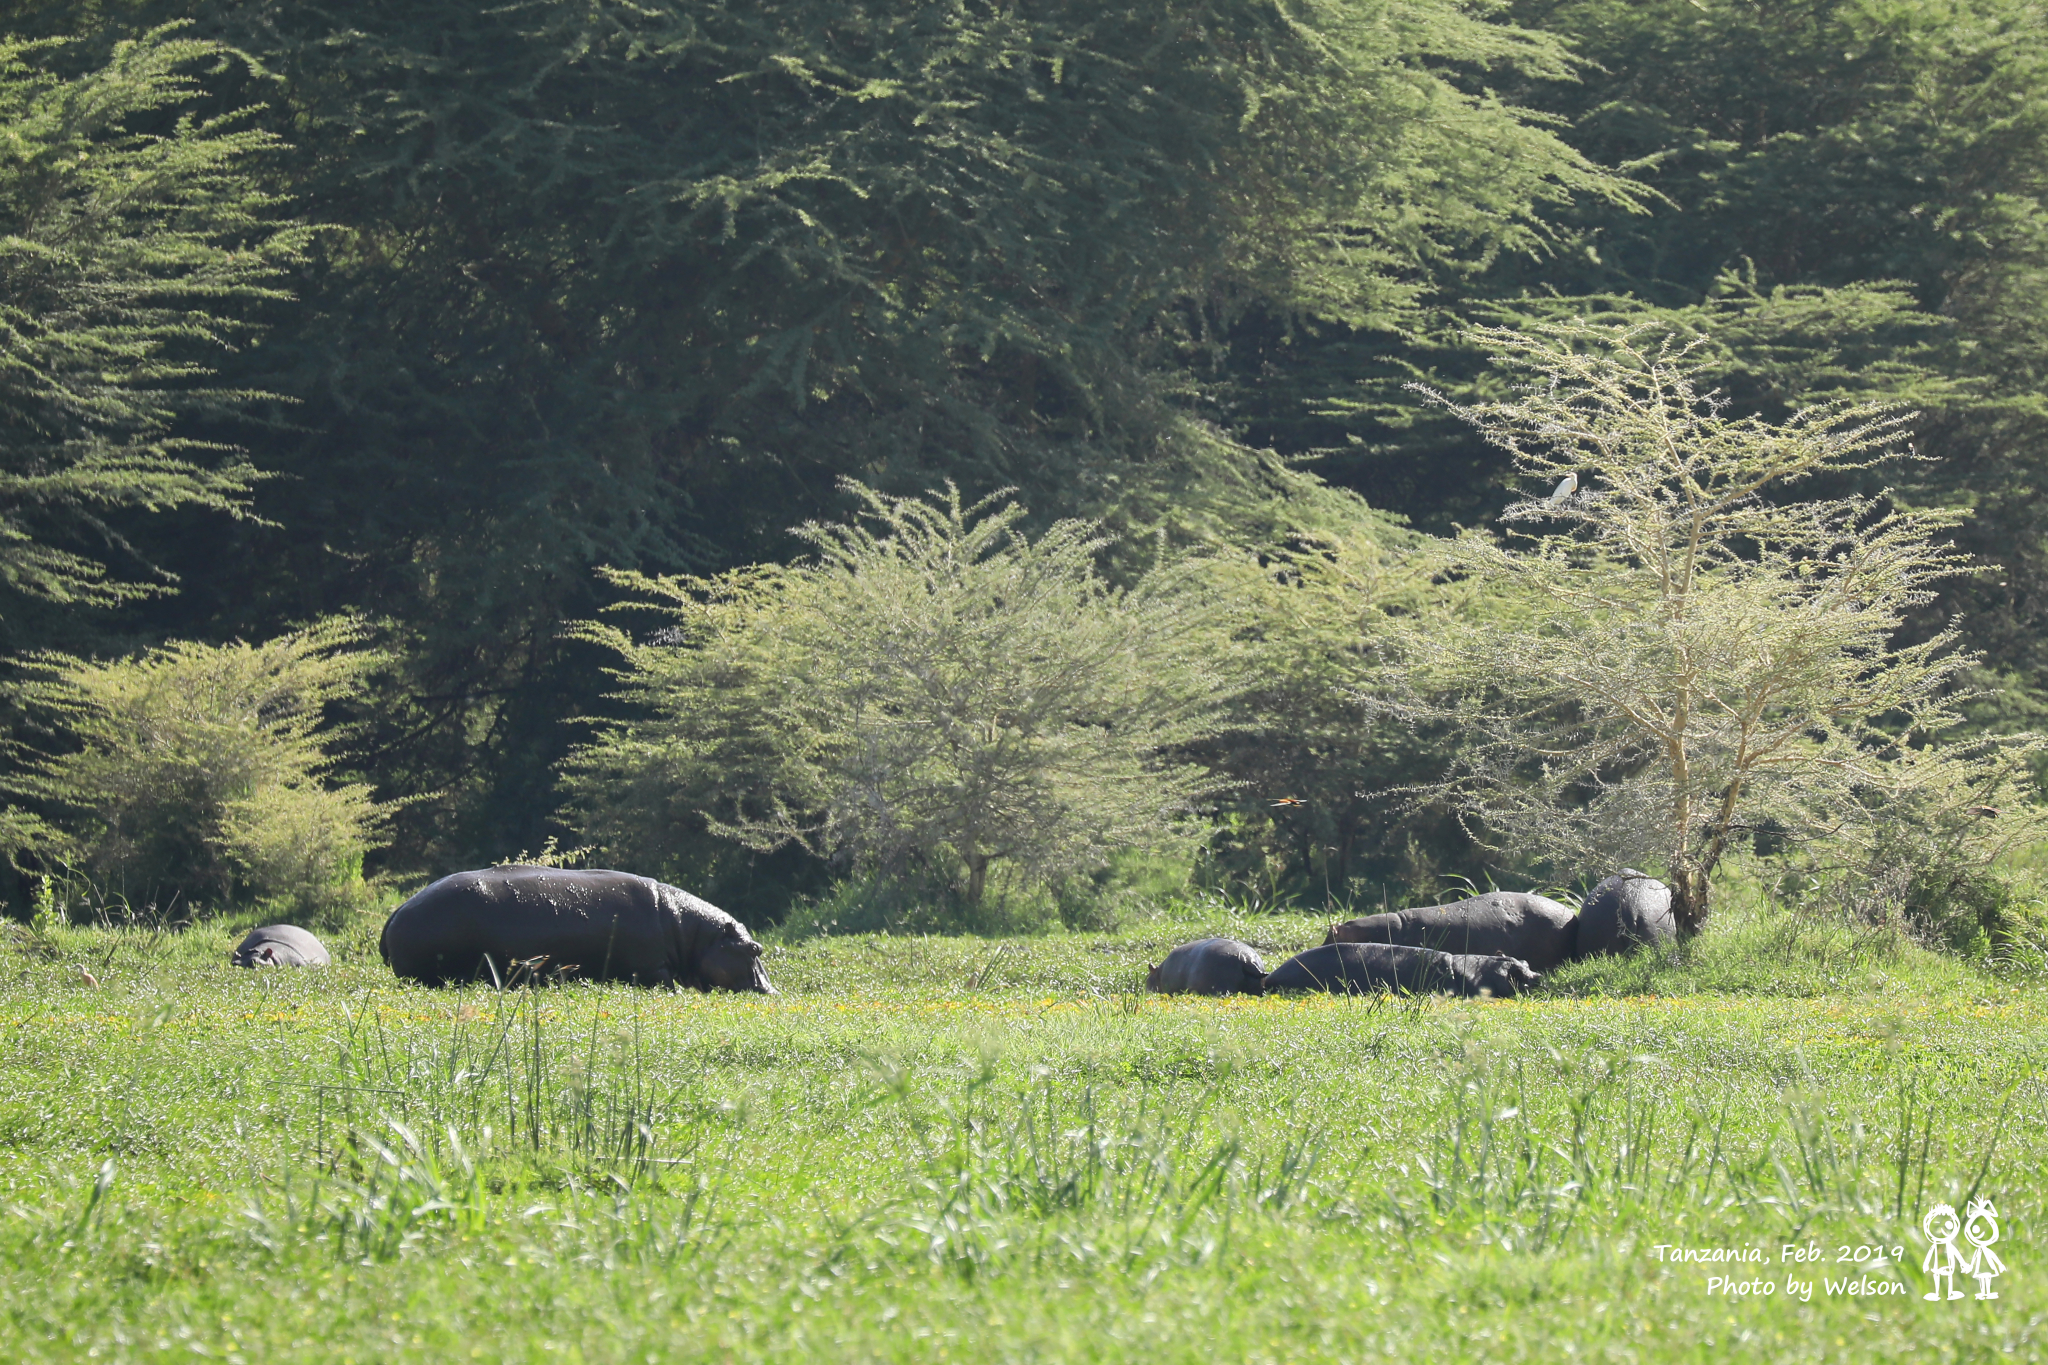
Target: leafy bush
point(196, 774)
point(1313, 760)
point(939, 702)
point(1941, 873)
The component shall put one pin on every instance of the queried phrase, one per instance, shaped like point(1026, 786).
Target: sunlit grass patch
point(914, 1152)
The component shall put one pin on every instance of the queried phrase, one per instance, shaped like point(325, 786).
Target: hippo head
point(261, 955)
point(733, 963)
point(1500, 975)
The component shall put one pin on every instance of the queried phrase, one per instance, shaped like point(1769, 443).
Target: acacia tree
point(135, 243)
point(935, 695)
point(1679, 652)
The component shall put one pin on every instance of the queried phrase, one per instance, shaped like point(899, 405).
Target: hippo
point(280, 945)
point(1358, 968)
point(1209, 966)
point(602, 925)
point(1535, 929)
point(1626, 911)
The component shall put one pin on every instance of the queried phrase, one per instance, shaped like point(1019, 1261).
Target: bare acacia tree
point(1669, 652)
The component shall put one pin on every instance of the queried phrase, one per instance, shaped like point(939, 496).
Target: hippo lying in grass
point(1627, 911)
point(280, 945)
point(1539, 931)
point(1209, 966)
point(604, 926)
point(1361, 968)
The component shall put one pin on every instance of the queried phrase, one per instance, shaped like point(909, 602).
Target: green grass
point(935, 1148)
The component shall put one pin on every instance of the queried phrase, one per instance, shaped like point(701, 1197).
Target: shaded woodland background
point(587, 285)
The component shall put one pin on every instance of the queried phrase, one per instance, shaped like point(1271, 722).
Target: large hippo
point(1535, 929)
point(280, 945)
point(1626, 911)
point(1209, 966)
point(608, 926)
point(1359, 968)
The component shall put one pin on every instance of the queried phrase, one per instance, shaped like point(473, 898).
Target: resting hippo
point(1625, 912)
point(1209, 966)
point(1357, 968)
point(280, 945)
point(609, 926)
point(1533, 928)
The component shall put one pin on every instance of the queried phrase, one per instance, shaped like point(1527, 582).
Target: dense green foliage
point(136, 243)
point(430, 312)
point(634, 285)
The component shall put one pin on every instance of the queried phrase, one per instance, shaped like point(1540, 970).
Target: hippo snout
point(735, 965)
point(757, 975)
point(1511, 976)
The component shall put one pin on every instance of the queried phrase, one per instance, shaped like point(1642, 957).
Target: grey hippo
point(280, 945)
point(601, 925)
point(1209, 966)
point(1359, 968)
point(1536, 929)
point(1626, 911)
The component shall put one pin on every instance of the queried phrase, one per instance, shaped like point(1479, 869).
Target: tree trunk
point(1689, 894)
point(977, 877)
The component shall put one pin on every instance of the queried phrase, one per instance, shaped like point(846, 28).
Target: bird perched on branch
point(1566, 486)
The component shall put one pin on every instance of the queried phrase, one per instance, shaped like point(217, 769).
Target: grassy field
point(941, 1149)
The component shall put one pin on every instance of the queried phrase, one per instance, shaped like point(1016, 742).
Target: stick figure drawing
point(1942, 1261)
point(1985, 1264)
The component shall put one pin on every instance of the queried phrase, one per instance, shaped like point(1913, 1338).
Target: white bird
point(1566, 486)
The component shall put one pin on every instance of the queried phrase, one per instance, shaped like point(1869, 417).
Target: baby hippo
point(1359, 968)
point(280, 945)
point(1209, 966)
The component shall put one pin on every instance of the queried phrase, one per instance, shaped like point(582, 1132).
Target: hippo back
point(478, 925)
point(280, 945)
point(1626, 911)
point(1209, 966)
point(1536, 929)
